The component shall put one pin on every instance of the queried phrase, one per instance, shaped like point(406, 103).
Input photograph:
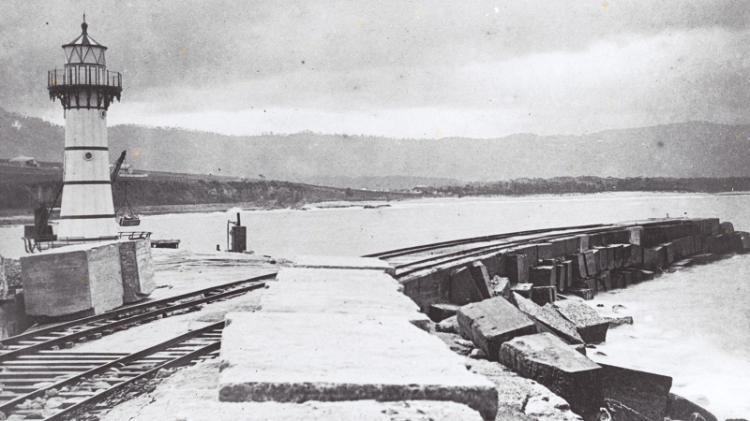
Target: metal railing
point(92, 75)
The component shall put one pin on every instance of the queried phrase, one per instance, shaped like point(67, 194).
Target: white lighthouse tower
point(86, 89)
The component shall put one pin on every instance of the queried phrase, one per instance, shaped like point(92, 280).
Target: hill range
point(693, 149)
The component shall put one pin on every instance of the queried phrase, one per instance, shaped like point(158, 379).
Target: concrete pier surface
point(343, 334)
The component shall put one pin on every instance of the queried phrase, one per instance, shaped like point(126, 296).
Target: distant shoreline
point(25, 216)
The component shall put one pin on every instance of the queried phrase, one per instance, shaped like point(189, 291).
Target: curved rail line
point(66, 334)
point(463, 241)
point(425, 263)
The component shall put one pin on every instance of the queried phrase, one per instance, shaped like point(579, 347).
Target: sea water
point(693, 324)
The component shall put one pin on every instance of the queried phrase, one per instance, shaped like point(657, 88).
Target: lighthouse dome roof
point(84, 39)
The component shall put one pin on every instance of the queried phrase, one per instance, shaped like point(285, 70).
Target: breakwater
point(525, 283)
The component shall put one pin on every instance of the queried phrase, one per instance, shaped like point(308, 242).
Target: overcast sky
point(397, 68)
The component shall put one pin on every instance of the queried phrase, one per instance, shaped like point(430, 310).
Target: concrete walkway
point(339, 329)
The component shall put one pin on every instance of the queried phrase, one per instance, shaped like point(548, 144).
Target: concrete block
point(501, 287)
point(579, 267)
point(13, 317)
point(742, 241)
point(481, 277)
point(726, 227)
point(585, 293)
point(592, 262)
point(583, 242)
point(543, 295)
point(491, 322)
point(543, 275)
point(523, 290)
point(634, 235)
point(340, 291)
point(463, 287)
point(548, 360)
point(646, 393)
point(654, 258)
point(545, 251)
point(517, 268)
point(679, 408)
point(635, 259)
point(560, 276)
point(591, 326)
point(137, 270)
point(569, 275)
point(73, 279)
point(669, 253)
point(336, 357)
point(440, 312)
point(548, 320)
point(495, 264)
point(530, 251)
point(646, 275)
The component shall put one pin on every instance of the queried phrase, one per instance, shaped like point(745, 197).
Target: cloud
point(543, 66)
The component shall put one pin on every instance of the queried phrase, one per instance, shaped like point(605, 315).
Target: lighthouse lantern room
point(85, 89)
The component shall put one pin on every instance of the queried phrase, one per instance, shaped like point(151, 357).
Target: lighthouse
point(85, 89)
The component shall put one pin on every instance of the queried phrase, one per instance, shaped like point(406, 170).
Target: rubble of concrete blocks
point(87, 278)
point(581, 265)
point(546, 344)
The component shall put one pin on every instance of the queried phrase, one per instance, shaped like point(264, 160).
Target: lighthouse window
point(88, 156)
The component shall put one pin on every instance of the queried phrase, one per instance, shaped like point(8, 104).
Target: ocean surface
point(693, 325)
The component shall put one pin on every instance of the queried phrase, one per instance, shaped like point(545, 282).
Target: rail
point(90, 75)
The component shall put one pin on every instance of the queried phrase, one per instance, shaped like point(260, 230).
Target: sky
point(396, 68)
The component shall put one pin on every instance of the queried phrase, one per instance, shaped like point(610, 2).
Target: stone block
point(708, 226)
point(494, 264)
point(646, 275)
point(544, 251)
point(75, 279)
point(591, 326)
point(669, 253)
point(491, 322)
point(543, 275)
point(585, 293)
point(342, 357)
point(592, 262)
point(634, 235)
point(646, 393)
point(369, 293)
point(602, 258)
point(543, 295)
point(560, 276)
point(548, 320)
point(137, 270)
point(654, 258)
point(441, 311)
point(548, 360)
point(501, 287)
point(726, 227)
point(13, 317)
point(679, 408)
point(618, 255)
point(583, 242)
point(463, 287)
point(523, 290)
point(579, 266)
point(481, 278)
point(517, 268)
point(635, 259)
point(569, 275)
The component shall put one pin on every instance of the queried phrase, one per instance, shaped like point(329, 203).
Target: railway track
point(61, 384)
point(410, 260)
point(65, 335)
